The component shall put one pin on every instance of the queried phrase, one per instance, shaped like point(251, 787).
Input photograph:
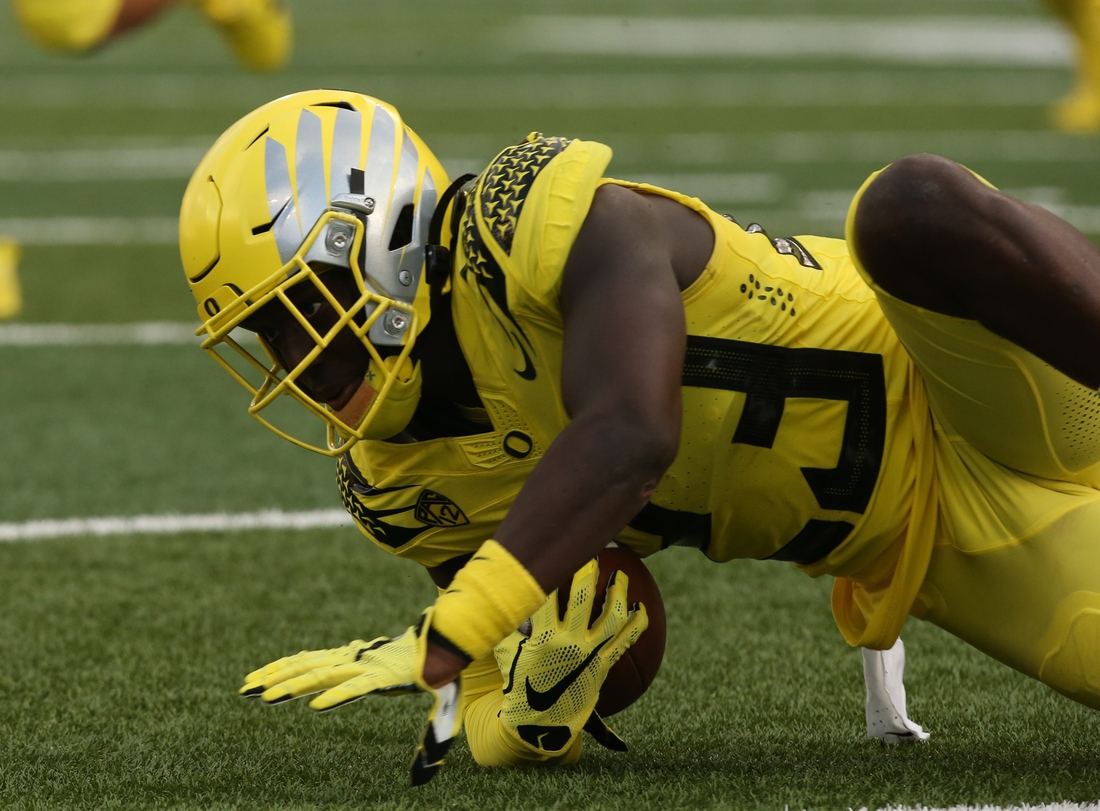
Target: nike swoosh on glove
point(382, 666)
point(553, 677)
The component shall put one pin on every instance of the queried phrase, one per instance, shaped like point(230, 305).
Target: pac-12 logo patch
point(436, 510)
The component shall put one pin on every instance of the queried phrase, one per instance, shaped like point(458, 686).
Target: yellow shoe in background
point(11, 299)
point(1077, 112)
point(258, 31)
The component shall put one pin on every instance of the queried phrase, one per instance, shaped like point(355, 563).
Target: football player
point(513, 368)
point(1080, 110)
point(258, 31)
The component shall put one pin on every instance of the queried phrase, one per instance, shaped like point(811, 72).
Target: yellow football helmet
point(312, 181)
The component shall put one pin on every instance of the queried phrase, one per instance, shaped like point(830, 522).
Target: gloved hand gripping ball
point(382, 666)
point(553, 677)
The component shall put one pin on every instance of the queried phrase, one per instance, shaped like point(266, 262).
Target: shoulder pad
point(504, 185)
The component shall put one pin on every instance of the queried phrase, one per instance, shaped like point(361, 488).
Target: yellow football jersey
point(806, 434)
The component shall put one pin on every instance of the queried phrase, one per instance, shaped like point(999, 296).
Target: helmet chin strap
point(394, 412)
point(357, 406)
point(437, 258)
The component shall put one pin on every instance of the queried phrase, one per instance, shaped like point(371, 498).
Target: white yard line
point(148, 333)
point(822, 212)
point(727, 187)
point(715, 189)
point(1067, 806)
point(152, 333)
point(92, 230)
point(827, 209)
point(924, 41)
point(560, 90)
point(471, 153)
point(1084, 218)
point(807, 147)
point(43, 530)
point(132, 164)
point(125, 163)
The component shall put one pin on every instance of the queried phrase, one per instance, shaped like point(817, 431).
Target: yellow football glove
point(553, 677)
point(383, 666)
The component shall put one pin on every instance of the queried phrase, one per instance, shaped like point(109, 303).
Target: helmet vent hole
point(207, 269)
point(403, 230)
point(357, 181)
point(258, 137)
point(343, 105)
point(267, 226)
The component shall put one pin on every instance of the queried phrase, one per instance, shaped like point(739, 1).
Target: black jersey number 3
point(768, 375)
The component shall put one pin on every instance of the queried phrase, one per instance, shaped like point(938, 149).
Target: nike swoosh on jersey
point(528, 372)
point(540, 701)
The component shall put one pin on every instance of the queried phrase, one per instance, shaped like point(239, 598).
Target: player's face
point(337, 372)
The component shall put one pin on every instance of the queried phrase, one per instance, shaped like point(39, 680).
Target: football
point(631, 676)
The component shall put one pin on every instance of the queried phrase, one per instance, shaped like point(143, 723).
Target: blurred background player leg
point(11, 299)
point(258, 31)
point(74, 26)
point(1080, 110)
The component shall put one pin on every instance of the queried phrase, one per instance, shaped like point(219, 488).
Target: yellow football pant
point(68, 25)
point(1015, 570)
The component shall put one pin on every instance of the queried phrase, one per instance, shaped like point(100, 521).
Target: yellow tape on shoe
point(488, 599)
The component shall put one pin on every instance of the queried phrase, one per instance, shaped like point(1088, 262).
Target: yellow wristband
point(488, 599)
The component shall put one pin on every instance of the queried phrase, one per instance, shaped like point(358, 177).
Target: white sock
point(886, 718)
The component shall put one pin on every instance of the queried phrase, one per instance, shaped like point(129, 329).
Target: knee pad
point(68, 25)
point(1069, 655)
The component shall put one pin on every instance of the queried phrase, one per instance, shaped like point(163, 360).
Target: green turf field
point(121, 656)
